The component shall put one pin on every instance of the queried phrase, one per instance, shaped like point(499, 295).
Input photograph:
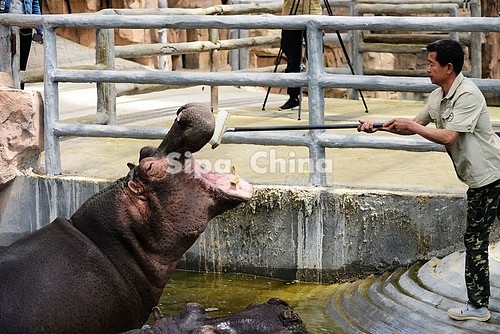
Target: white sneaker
point(469, 312)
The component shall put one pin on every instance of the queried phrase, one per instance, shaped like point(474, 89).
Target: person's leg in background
point(291, 45)
point(25, 36)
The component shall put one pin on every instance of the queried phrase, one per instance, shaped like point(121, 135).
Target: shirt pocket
point(434, 113)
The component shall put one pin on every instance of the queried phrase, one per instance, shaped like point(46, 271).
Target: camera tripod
point(293, 11)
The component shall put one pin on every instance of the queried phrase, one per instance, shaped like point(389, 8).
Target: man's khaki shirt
point(302, 7)
point(476, 152)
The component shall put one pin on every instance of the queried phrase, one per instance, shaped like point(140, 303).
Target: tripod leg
point(299, 112)
point(277, 62)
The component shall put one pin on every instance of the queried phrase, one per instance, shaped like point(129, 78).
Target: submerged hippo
point(104, 269)
point(273, 317)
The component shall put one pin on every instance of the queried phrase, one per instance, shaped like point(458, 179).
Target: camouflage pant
point(482, 209)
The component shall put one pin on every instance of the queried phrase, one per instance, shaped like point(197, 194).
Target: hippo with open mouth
point(104, 269)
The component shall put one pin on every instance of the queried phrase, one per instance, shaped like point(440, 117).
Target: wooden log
point(398, 2)
point(402, 73)
point(124, 89)
point(407, 9)
point(411, 38)
point(142, 50)
point(398, 73)
point(391, 48)
point(30, 76)
point(254, 8)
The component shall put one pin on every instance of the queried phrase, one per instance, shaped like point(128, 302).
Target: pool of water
point(230, 293)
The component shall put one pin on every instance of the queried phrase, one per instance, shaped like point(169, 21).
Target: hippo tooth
point(232, 170)
point(234, 182)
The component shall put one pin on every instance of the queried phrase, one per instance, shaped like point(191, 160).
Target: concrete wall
point(309, 234)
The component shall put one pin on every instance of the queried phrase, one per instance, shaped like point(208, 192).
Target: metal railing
point(316, 78)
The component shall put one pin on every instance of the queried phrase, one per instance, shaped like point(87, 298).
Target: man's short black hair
point(448, 51)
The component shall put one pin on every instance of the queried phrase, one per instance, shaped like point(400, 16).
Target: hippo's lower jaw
point(227, 187)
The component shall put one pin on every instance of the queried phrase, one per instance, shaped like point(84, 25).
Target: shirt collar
point(458, 80)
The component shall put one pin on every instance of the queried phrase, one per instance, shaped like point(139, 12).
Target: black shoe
point(292, 102)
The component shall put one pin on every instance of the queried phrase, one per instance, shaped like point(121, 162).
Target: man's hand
point(402, 126)
point(369, 126)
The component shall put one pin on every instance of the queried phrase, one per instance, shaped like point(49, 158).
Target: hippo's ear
point(136, 189)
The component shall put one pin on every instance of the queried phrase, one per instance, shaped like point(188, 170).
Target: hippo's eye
point(150, 167)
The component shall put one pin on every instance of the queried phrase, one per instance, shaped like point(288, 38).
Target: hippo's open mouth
point(230, 184)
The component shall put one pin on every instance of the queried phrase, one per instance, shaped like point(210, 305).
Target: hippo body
point(58, 281)
point(104, 269)
point(273, 317)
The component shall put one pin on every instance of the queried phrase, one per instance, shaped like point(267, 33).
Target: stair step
point(411, 285)
point(342, 320)
point(437, 318)
point(362, 316)
point(450, 287)
point(413, 322)
point(451, 267)
point(434, 297)
point(386, 315)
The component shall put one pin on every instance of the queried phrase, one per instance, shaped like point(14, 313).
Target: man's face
point(437, 73)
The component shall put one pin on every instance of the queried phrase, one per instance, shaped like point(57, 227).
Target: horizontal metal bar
point(268, 138)
point(416, 144)
point(396, 83)
point(363, 82)
point(184, 78)
point(113, 131)
point(298, 127)
point(299, 22)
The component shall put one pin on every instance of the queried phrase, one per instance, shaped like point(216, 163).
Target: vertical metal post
point(243, 55)
point(51, 104)
point(235, 53)
point(316, 101)
point(164, 61)
point(5, 50)
point(475, 43)
point(356, 56)
point(454, 13)
point(106, 91)
point(214, 67)
point(15, 38)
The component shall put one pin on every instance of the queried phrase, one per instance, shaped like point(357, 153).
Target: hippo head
point(275, 316)
point(179, 183)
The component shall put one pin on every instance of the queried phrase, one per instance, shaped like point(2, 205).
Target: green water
point(231, 293)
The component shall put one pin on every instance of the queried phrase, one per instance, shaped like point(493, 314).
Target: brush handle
point(299, 127)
